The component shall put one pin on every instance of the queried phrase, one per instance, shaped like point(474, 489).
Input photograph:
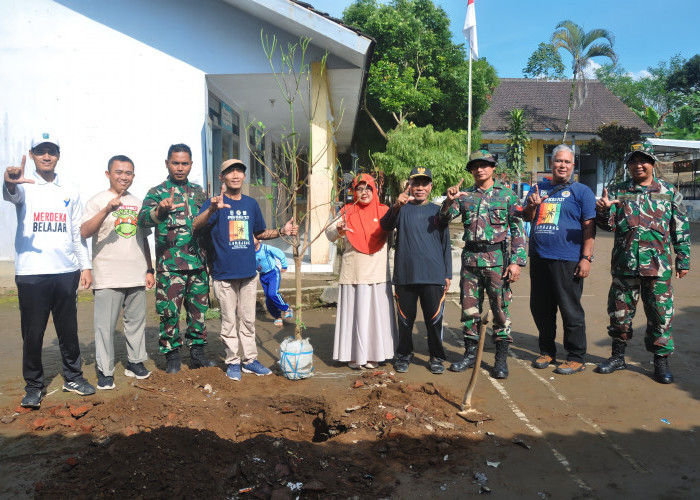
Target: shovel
point(467, 412)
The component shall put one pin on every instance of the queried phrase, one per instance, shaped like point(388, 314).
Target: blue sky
point(646, 31)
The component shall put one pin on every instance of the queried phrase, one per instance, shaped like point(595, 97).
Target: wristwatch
point(589, 258)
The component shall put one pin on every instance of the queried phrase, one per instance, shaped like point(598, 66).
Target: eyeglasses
point(363, 189)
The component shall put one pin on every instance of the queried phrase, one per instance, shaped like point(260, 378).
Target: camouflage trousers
point(657, 297)
point(172, 289)
point(474, 283)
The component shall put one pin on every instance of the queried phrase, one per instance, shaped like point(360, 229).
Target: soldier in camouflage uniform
point(488, 213)
point(648, 217)
point(171, 207)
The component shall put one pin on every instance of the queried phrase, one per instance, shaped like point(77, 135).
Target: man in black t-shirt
point(422, 267)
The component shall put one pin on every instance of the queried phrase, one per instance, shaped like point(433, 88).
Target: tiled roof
point(547, 102)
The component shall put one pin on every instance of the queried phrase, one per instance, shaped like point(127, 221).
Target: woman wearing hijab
point(365, 328)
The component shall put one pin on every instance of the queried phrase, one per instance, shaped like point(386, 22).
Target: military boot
point(662, 374)
point(469, 358)
point(500, 365)
point(198, 359)
point(173, 358)
point(616, 361)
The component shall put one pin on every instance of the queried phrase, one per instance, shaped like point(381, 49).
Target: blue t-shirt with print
point(232, 232)
point(556, 230)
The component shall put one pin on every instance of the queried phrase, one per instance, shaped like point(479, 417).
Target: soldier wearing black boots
point(648, 217)
point(488, 211)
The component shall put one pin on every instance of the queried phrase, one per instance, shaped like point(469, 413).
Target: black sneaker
point(79, 386)
point(32, 399)
point(136, 370)
point(104, 382)
point(436, 366)
point(402, 361)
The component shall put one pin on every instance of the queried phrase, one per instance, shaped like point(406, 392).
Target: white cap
point(44, 138)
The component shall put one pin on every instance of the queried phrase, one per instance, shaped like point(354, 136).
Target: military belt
point(482, 247)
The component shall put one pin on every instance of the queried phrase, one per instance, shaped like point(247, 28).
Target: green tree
point(518, 143)
point(443, 152)
point(545, 62)
point(614, 142)
point(686, 79)
point(648, 95)
point(418, 74)
point(582, 46)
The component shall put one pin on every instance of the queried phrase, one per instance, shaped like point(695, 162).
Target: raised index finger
point(24, 160)
point(460, 183)
point(605, 193)
point(172, 193)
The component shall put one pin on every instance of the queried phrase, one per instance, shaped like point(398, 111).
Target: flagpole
point(469, 113)
point(470, 34)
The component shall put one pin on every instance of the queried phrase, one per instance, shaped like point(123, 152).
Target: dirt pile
point(197, 434)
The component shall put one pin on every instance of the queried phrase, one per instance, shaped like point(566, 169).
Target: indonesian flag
point(470, 30)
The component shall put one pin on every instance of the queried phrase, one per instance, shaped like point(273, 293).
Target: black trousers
point(553, 286)
point(432, 302)
point(40, 295)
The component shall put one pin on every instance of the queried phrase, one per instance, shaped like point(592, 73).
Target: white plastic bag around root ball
point(296, 358)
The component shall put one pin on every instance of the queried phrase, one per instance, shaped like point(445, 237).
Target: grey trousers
point(109, 302)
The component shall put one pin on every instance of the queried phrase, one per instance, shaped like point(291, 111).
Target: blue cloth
point(232, 231)
point(556, 231)
point(266, 258)
point(271, 286)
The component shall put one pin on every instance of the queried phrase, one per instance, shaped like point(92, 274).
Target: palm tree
point(582, 46)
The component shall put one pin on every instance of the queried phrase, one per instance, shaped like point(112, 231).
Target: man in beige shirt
point(122, 271)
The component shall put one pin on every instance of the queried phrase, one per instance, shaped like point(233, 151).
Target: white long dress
point(365, 327)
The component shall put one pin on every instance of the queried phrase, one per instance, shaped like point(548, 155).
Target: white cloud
point(639, 74)
point(589, 71)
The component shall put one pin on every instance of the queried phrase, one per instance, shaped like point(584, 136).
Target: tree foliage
point(582, 46)
point(518, 142)
point(614, 142)
point(657, 97)
point(686, 79)
point(545, 62)
point(443, 152)
point(417, 72)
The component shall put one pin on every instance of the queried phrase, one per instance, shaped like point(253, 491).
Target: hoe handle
point(485, 318)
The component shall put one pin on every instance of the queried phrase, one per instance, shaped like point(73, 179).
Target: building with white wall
point(133, 77)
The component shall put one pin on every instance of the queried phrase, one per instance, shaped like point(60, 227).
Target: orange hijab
point(366, 236)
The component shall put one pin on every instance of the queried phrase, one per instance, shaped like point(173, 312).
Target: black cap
point(421, 172)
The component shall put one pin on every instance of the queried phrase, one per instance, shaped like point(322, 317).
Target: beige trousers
point(237, 302)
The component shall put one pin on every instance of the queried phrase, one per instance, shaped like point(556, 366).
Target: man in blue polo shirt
point(562, 213)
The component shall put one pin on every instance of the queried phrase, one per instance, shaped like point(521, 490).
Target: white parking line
point(557, 454)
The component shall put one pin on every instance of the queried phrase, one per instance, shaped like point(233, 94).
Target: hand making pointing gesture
point(15, 175)
point(404, 197)
point(219, 202)
point(534, 199)
point(454, 192)
point(168, 204)
point(604, 203)
point(115, 203)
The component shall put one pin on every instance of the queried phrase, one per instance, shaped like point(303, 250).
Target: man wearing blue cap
point(51, 261)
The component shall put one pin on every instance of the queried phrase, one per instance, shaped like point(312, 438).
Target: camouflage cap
point(481, 155)
point(643, 148)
